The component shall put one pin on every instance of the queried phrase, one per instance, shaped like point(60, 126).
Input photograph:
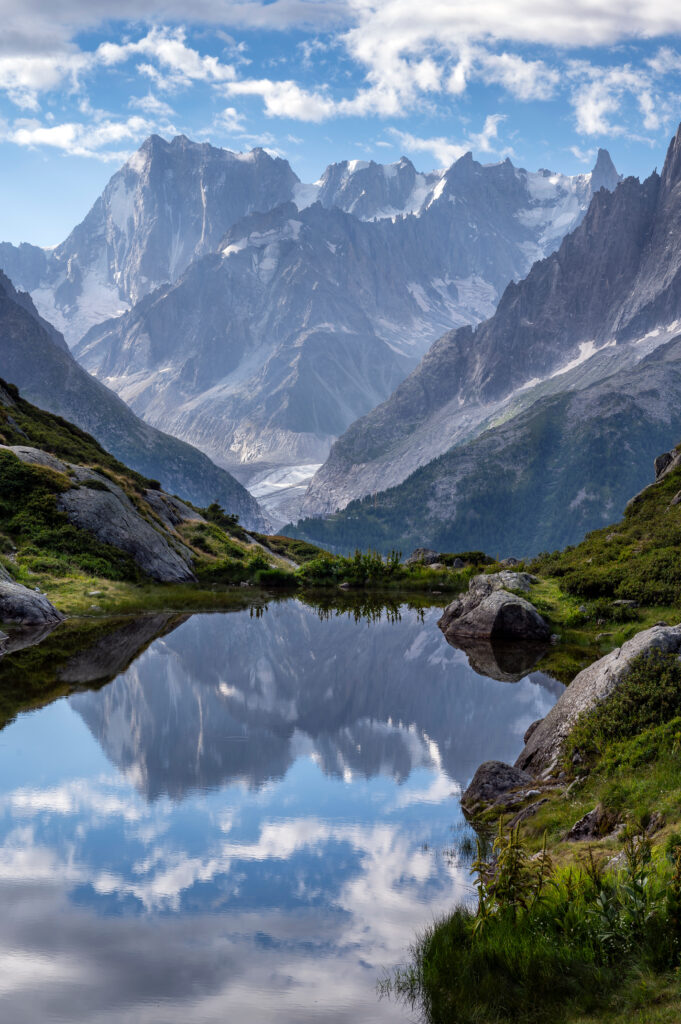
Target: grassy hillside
point(41, 548)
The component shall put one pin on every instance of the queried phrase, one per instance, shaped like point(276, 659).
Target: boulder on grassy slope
point(489, 611)
point(114, 520)
point(422, 556)
point(101, 507)
point(19, 604)
point(593, 685)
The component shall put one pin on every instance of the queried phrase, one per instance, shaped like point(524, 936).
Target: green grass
point(546, 944)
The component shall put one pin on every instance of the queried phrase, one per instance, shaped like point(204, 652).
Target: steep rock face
point(171, 202)
point(538, 482)
point(593, 685)
point(47, 374)
point(614, 281)
point(113, 520)
point(368, 189)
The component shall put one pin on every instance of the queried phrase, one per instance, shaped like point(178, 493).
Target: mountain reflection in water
point(249, 823)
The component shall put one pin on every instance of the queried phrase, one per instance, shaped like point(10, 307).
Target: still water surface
point(248, 824)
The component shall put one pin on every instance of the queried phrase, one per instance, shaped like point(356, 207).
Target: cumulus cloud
point(230, 120)
point(151, 104)
point(285, 99)
point(446, 151)
point(24, 77)
point(77, 139)
point(524, 79)
point(182, 63)
point(599, 93)
point(405, 64)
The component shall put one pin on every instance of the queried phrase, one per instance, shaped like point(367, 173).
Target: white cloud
point(80, 139)
point(524, 79)
point(151, 104)
point(24, 77)
point(230, 120)
point(168, 47)
point(285, 99)
point(585, 156)
point(599, 92)
point(447, 151)
point(666, 61)
point(406, 63)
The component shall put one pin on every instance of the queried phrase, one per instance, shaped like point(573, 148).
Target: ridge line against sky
point(83, 82)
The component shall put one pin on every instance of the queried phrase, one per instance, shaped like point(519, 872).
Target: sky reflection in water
point(249, 824)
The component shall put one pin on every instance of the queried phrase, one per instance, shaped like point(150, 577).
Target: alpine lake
point(243, 816)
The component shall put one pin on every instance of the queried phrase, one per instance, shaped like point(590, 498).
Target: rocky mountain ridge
point(604, 300)
point(566, 465)
point(308, 316)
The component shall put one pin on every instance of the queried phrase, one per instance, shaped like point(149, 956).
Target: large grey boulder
point(490, 611)
point(19, 604)
point(112, 518)
point(593, 685)
point(493, 783)
point(101, 507)
point(36, 457)
point(422, 556)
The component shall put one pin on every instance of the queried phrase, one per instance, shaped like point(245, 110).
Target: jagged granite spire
point(604, 174)
point(671, 172)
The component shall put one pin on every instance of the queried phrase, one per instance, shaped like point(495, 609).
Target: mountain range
point(571, 387)
point(258, 317)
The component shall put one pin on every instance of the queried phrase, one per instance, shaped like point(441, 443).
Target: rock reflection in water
point(505, 662)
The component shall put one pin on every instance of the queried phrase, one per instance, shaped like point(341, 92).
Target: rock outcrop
point(112, 518)
point(593, 685)
point(36, 359)
point(102, 508)
point(493, 783)
point(423, 556)
point(489, 611)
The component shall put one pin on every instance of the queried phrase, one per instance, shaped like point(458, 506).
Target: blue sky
point(83, 82)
